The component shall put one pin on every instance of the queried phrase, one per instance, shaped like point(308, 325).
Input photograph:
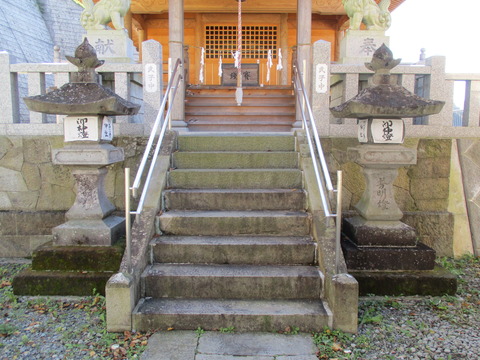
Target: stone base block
point(78, 258)
point(436, 282)
point(379, 233)
point(112, 45)
point(89, 232)
point(358, 46)
point(420, 257)
point(35, 283)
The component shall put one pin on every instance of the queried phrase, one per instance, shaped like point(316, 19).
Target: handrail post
point(338, 221)
point(128, 229)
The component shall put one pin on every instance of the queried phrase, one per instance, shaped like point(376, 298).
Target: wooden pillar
point(175, 47)
point(141, 39)
point(304, 40)
point(284, 47)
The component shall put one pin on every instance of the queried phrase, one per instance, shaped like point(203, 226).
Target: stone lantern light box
point(87, 133)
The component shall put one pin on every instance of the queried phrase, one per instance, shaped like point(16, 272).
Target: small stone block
point(77, 258)
point(112, 45)
point(358, 46)
point(36, 283)
point(420, 257)
point(89, 232)
point(436, 282)
point(376, 233)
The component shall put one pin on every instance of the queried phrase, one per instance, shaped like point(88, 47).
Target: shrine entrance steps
point(214, 108)
point(233, 246)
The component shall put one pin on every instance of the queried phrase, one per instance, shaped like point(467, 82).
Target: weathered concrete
point(236, 179)
point(235, 199)
point(123, 289)
point(235, 160)
point(232, 281)
point(234, 250)
point(239, 142)
point(281, 223)
point(244, 315)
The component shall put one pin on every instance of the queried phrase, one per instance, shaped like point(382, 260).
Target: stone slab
point(69, 283)
point(89, 232)
point(186, 345)
point(235, 178)
point(420, 257)
point(234, 250)
point(101, 154)
point(211, 223)
point(235, 160)
point(232, 281)
point(175, 345)
point(259, 344)
point(437, 282)
point(77, 258)
point(376, 233)
point(238, 142)
point(244, 315)
point(235, 199)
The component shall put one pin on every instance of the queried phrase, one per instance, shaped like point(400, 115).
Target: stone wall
point(34, 193)
point(421, 191)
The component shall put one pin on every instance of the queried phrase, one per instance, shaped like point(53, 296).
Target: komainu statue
point(374, 16)
point(96, 16)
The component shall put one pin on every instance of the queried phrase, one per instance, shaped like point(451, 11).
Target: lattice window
point(256, 41)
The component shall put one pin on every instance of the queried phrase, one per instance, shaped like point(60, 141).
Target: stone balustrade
point(29, 79)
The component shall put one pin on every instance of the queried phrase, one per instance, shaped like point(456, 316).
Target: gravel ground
point(389, 327)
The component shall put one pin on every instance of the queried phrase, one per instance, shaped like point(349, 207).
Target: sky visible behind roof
point(442, 27)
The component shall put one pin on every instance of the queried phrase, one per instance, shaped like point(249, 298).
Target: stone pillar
point(8, 93)
point(152, 62)
point(304, 39)
point(321, 85)
point(175, 48)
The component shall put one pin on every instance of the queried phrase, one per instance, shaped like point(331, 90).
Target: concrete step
point(213, 223)
point(236, 142)
point(243, 315)
point(253, 250)
point(235, 179)
point(235, 199)
point(232, 281)
point(235, 160)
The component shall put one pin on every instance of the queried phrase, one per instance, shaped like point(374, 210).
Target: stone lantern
point(377, 239)
point(87, 133)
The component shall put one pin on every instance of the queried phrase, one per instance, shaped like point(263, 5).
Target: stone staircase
point(233, 245)
point(214, 108)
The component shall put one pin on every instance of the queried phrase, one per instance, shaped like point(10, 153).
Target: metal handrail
point(160, 119)
point(326, 180)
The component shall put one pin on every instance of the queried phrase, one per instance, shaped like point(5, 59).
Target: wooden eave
point(324, 7)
